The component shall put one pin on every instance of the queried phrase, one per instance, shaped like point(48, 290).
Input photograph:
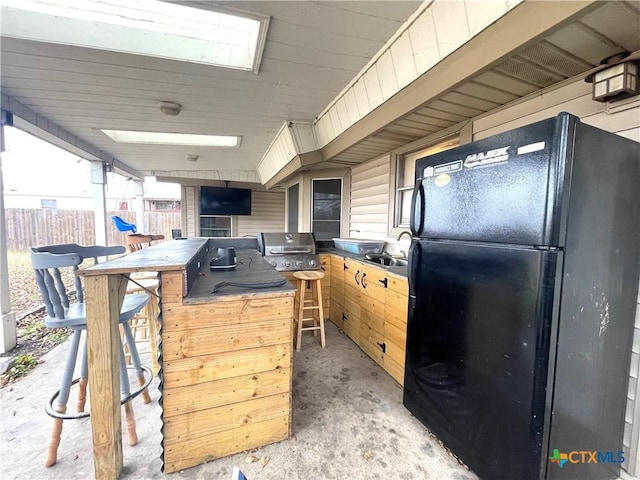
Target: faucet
point(404, 232)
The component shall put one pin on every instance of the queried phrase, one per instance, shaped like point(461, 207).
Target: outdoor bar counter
point(226, 356)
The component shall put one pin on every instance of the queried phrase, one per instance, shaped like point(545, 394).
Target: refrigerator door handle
point(417, 209)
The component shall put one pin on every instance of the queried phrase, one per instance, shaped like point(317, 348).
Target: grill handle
point(278, 251)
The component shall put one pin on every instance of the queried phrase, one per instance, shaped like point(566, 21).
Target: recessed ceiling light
point(142, 27)
point(128, 136)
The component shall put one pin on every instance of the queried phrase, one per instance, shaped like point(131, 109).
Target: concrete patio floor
point(348, 423)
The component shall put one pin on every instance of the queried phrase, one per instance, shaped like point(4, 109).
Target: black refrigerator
point(523, 283)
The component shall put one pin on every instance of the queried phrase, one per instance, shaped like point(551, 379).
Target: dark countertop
point(251, 268)
point(173, 255)
point(399, 271)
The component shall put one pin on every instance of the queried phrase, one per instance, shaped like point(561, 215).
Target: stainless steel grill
point(289, 251)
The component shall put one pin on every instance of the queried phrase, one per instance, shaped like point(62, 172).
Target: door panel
point(477, 351)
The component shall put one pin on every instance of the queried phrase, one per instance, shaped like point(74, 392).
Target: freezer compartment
point(480, 318)
point(503, 189)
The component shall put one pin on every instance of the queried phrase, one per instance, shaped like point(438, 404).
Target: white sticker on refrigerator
point(448, 167)
point(532, 147)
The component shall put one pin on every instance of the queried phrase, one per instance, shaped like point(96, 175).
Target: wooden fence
point(31, 227)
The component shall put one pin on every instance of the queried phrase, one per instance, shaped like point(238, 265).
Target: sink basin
point(386, 260)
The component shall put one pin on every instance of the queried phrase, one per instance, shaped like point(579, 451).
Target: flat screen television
point(225, 201)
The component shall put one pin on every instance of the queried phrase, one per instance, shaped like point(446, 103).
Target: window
point(292, 208)
point(326, 208)
point(405, 178)
point(215, 226)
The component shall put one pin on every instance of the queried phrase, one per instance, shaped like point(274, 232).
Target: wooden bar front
point(226, 367)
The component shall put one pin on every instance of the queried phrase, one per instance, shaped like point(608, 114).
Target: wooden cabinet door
point(325, 267)
point(395, 328)
point(351, 316)
point(336, 308)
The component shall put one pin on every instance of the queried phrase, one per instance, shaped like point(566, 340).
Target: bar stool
point(144, 325)
point(314, 304)
point(47, 263)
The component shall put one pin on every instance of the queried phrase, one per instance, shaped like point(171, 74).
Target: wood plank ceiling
point(566, 53)
point(313, 49)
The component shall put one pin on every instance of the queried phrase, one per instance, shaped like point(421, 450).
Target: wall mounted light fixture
point(616, 78)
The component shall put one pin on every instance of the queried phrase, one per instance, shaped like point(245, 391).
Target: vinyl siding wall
point(267, 214)
point(190, 227)
point(370, 199)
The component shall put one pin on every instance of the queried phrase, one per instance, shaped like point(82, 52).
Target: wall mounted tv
point(225, 201)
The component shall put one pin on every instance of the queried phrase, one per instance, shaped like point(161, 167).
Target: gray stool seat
point(47, 262)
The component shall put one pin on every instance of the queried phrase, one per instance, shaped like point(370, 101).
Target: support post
point(8, 327)
point(99, 180)
point(139, 205)
point(104, 295)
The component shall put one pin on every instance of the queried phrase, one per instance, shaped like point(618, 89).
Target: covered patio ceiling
point(313, 50)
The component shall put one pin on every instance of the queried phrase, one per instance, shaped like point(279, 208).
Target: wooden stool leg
point(54, 440)
point(132, 435)
point(314, 301)
point(125, 389)
point(301, 289)
point(82, 384)
point(135, 360)
point(320, 312)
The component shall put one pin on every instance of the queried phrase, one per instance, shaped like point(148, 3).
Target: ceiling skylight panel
point(144, 27)
point(161, 138)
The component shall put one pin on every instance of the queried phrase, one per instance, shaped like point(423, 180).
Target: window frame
point(398, 156)
point(311, 201)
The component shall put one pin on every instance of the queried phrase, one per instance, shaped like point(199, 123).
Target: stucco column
point(138, 205)
point(8, 327)
point(99, 180)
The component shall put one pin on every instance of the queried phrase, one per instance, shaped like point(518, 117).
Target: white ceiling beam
point(39, 126)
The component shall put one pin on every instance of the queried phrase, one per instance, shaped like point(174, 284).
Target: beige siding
point(267, 214)
point(370, 199)
point(190, 209)
point(622, 118)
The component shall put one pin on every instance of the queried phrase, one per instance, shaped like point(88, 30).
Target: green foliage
point(24, 364)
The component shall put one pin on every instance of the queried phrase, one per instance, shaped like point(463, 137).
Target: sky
point(36, 167)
